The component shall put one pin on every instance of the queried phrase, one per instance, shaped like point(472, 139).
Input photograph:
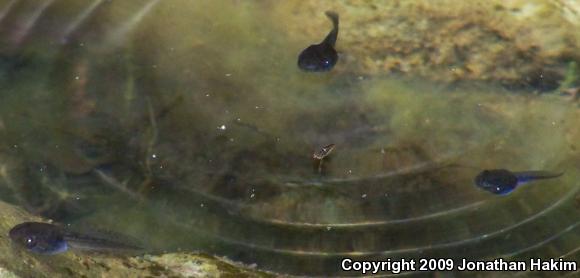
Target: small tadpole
point(503, 182)
point(321, 154)
point(321, 57)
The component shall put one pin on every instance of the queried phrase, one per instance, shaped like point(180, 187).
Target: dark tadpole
point(503, 182)
point(40, 238)
point(50, 239)
point(321, 57)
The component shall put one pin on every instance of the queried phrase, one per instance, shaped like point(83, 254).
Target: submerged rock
point(517, 43)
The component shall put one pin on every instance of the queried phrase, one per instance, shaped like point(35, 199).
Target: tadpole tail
point(100, 244)
point(333, 35)
point(334, 17)
point(527, 176)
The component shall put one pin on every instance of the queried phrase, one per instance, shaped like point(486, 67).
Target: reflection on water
point(188, 125)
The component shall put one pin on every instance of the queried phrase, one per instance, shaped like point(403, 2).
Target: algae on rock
point(517, 43)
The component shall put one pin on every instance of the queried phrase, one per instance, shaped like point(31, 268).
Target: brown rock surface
point(513, 42)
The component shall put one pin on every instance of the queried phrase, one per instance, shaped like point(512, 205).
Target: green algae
point(571, 77)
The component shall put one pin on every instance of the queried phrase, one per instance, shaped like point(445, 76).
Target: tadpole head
point(317, 58)
point(41, 238)
point(499, 182)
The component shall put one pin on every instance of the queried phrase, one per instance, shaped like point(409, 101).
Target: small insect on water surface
point(321, 154)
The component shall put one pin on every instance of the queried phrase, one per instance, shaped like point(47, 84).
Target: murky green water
point(187, 124)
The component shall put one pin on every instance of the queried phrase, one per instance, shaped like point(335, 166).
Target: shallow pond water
point(187, 125)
